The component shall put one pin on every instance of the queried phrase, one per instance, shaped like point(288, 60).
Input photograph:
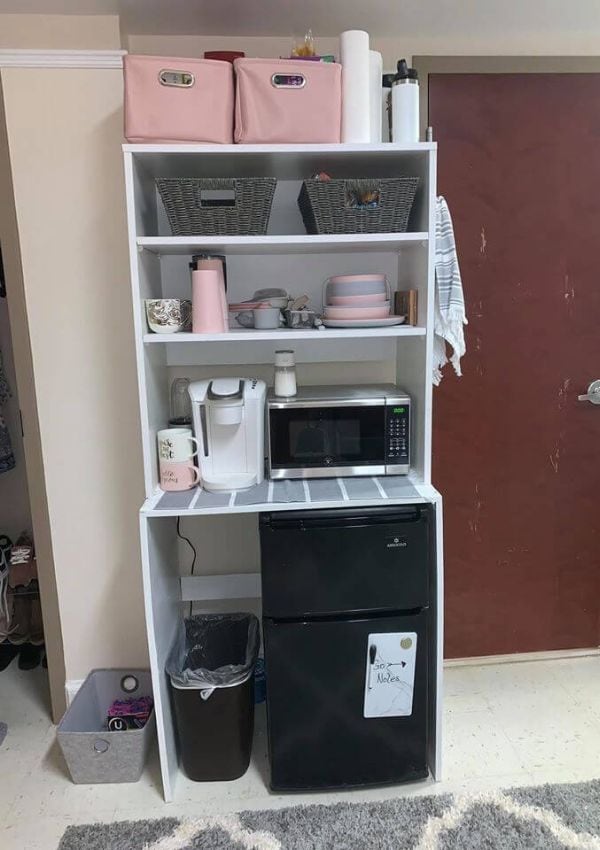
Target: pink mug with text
point(178, 475)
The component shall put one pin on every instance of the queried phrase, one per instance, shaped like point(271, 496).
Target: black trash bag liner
point(214, 651)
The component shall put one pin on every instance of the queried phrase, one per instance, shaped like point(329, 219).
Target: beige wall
point(497, 38)
point(68, 189)
point(52, 32)
point(195, 45)
point(32, 448)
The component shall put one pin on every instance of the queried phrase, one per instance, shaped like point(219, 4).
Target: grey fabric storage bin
point(92, 753)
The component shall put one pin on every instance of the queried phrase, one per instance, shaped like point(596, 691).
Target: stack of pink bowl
point(358, 301)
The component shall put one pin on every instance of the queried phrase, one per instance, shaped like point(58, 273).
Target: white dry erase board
point(390, 674)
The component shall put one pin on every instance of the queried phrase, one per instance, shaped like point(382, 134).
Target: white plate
point(364, 323)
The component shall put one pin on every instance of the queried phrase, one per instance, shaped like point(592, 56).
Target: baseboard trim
point(520, 657)
point(73, 685)
point(71, 688)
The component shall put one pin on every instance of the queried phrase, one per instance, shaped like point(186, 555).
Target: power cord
point(192, 547)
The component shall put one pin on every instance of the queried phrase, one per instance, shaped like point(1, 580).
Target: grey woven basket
point(226, 206)
point(326, 205)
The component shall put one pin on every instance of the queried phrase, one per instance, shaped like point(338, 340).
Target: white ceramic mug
point(176, 445)
point(267, 318)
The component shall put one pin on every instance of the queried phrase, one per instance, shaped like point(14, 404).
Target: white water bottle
point(405, 105)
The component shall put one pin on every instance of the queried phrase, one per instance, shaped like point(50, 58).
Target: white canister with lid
point(285, 374)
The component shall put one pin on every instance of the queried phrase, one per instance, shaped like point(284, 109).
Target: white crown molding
point(61, 58)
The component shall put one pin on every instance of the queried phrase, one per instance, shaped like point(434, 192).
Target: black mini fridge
point(346, 625)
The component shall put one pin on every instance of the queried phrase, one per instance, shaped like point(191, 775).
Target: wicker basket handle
point(353, 189)
point(217, 196)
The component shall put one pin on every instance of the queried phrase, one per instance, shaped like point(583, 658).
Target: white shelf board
point(293, 495)
point(285, 162)
point(288, 335)
point(292, 244)
point(349, 148)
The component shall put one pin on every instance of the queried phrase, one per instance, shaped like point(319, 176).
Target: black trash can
point(211, 669)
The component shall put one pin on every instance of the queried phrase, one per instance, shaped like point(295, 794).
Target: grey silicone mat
point(398, 487)
point(325, 490)
point(361, 488)
point(294, 492)
point(212, 500)
point(288, 491)
point(256, 495)
point(175, 501)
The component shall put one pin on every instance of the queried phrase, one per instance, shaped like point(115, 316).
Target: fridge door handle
point(343, 518)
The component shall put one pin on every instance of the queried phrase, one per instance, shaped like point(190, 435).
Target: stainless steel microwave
point(328, 431)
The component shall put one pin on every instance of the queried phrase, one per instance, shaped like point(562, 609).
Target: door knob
point(593, 393)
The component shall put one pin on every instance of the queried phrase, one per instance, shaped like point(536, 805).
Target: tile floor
point(506, 724)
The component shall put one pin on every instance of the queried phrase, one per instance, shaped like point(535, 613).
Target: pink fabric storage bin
point(171, 99)
point(287, 101)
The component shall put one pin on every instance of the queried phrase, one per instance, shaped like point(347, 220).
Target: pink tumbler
point(209, 303)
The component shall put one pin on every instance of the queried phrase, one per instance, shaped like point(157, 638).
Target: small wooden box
point(405, 304)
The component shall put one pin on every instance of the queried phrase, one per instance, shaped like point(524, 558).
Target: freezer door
point(343, 561)
point(320, 681)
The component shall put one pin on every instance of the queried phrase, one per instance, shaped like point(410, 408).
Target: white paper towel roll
point(375, 75)
point(356, 116)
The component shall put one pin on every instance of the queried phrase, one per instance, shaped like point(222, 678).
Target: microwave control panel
point(397, 435)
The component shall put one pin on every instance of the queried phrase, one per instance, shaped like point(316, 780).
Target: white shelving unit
point(285, 256)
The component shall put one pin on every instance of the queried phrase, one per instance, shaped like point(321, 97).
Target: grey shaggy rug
point(547, 817)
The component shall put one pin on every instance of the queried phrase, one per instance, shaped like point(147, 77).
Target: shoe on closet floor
point(20, 625)
point(29, 656)
point(8, 651)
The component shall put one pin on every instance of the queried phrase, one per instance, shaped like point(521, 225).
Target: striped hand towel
point(449, 309)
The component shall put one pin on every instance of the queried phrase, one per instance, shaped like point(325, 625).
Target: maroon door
point(516, 455)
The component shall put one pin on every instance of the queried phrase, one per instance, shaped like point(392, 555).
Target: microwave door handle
point(204, 428)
